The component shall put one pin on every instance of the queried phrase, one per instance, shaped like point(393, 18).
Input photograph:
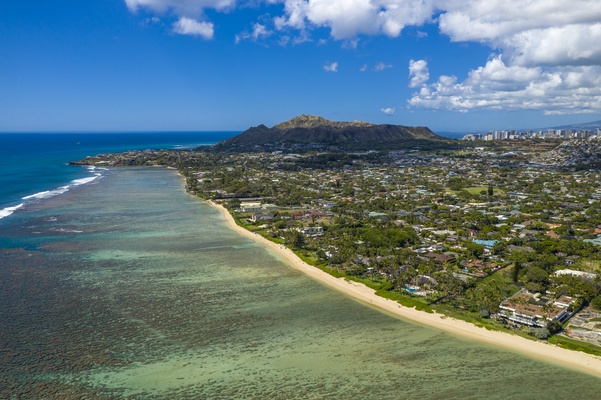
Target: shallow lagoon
point(130, 288)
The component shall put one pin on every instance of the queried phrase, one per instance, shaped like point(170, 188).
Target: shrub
point(539, 333)
point(542, 333)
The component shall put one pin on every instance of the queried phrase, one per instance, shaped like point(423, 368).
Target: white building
point(529, 309)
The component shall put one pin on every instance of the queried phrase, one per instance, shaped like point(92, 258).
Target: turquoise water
point(127, 287)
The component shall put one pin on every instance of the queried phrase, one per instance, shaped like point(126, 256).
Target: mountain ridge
point(579, 126)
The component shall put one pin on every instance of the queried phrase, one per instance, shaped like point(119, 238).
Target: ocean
point(34, 165)
point(115, 283)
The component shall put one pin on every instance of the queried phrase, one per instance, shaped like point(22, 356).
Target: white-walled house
point(529, 309)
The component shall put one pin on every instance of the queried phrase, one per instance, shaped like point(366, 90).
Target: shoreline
point(543, 351)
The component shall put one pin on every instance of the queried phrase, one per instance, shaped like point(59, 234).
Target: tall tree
point(294, 238)
point(515, 272)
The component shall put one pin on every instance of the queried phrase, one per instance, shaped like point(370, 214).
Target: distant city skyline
point(226, 65)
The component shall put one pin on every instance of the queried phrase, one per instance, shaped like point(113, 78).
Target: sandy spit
point(535, 349)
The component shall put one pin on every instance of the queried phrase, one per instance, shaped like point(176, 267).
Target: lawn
point(588, 265)
point(479, 189)
point(475, 190)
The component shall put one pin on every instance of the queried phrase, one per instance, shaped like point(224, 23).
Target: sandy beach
point(541, 350)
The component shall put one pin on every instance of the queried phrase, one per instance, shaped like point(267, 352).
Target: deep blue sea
point(33, 166)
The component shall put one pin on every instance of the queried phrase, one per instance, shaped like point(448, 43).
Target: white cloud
point(331, 67)
point(348, 18)
point(188, 13)
point(186, 8)
point(540, 48)
point(377, 68)
point(496, 86)
point(418, 73)
point(565, 45)
point(525, 32)
point(388, 110)
point(546, 51)
point(548, 57)
point(529, 32)
point(259, 32)
point(381, 67)
point(188, 26)
point(350, 44)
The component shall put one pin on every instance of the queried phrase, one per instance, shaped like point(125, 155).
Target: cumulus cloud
point(331, 67)
point(529, 32)
point(388, 110)
point(540, 48)
point(497, 86)
point(418, 73)
point(566, 45)
point(349, 18)
point(188, 26)
point(545, 52)
point(525, 32)
point(187, 12)
point(547, 57)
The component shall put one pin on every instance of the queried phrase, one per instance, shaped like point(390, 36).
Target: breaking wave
point(5, 212)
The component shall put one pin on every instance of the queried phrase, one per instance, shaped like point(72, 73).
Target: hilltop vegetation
point(311, 132)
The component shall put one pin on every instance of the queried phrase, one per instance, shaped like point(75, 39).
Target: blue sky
point(451, 65)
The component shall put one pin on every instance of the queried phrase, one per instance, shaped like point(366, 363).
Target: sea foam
point(60, 190)
point(83, 181)
point(47, 194)
point(5, 212)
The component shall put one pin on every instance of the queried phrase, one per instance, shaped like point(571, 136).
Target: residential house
point(312, 231)
point(525, 308)
point(262, 217)
point(253, 206)
point(441, 258)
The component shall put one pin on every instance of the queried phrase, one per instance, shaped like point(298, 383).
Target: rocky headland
point(307, 131)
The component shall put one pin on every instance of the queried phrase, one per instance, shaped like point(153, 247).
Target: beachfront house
point(534, 310)
point(262, 217)
point(248, 206)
